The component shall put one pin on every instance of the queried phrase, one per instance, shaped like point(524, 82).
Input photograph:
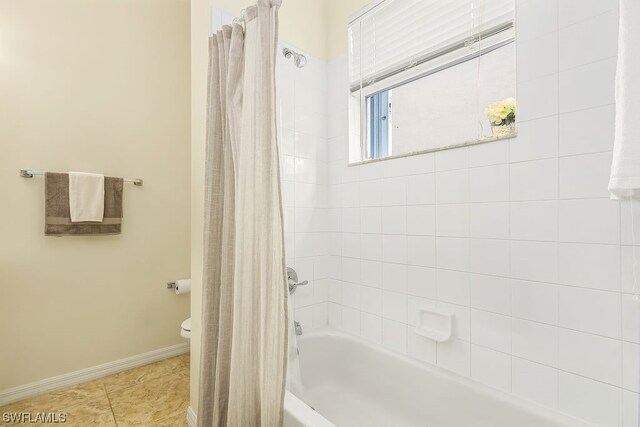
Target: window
point(379, 117)
point(442, 61)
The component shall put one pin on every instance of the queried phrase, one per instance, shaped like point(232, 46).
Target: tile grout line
point(113, 414)
point(435, 227)
point(510, 257)
point(557, 273)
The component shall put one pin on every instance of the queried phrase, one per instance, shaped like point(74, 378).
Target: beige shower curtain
point(244, 319)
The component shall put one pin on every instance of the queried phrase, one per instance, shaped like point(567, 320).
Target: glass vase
point(501, 131)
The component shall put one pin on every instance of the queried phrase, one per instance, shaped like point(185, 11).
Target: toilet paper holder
point(182, 286)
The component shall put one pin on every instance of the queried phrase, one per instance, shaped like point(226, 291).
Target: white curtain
point(625, 168)
point(244, 305)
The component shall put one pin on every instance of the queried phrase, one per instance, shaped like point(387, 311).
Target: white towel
point(86, 197)
point(625, 168)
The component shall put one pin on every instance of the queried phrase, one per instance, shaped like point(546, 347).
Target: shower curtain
point(244, 302)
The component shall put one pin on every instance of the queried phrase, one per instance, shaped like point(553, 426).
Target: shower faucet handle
point(292, 279)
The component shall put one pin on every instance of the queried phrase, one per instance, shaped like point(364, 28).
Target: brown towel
point(56, 209)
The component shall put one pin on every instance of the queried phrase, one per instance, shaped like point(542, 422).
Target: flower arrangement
point(502, 115)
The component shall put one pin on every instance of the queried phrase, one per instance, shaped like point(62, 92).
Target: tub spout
point(298, 328)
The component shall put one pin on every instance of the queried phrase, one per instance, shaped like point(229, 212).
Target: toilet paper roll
point(183, 286)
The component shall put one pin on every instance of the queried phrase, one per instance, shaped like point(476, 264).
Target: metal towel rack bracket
point(28, 173)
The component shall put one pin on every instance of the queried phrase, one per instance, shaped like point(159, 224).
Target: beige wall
point(200, 16)
point(319, 27)
point(101, 86)
point(316, 26)
point(302, 22)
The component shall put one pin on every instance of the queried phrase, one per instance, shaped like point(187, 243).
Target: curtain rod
point(28, 173)
point(240, 19)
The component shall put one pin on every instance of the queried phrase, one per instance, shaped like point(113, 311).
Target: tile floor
point(152, 395)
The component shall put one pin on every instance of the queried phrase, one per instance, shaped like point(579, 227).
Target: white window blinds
point(396, 35)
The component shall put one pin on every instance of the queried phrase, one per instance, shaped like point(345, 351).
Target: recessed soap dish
point(434, 324)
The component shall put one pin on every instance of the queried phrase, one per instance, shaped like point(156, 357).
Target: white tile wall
point(587, 86)
point(308, 243)
point(593, 401)
point(537, 140)
point(534, 301)
point(535, 341)
point(588, 40)
point(491, 367)
point(577, 308)
point(454, 355)
point(629, 408)
point(535, 382)
point(517, 239)
point(583, 354)
point(536, 220)
point(587, 131)
point(491, 330)
point(537, 18)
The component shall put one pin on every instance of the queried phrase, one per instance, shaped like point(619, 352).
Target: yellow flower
point(498, 111)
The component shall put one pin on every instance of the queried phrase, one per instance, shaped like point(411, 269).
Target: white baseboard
point(88, 374)
point(192, 418)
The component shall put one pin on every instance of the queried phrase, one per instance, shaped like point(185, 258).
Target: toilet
point(182, 286)
point(185, 329)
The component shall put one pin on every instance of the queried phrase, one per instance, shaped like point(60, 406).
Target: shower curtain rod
point(239, 19)
point(28, 173)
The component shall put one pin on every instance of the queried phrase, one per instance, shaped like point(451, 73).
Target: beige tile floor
point(153, 395)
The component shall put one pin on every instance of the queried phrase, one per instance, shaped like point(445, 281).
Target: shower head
point(299, 59)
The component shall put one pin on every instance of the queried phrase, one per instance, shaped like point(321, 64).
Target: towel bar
point(28, 173)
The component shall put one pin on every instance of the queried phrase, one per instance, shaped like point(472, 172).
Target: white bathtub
point(350, 382)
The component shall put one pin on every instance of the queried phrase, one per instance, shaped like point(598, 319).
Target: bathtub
point(350, 382)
